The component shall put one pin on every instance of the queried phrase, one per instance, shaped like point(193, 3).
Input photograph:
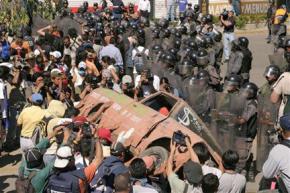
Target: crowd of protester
point(44, 77)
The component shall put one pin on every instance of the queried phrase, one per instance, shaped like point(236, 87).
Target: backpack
point(103, 182)
point(40, 130)
point(140, 60)
point(66, 182)
point(23, 185)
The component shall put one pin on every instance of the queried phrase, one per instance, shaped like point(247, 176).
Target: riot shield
point(229, 134)
point(279, 61)
point(174, 79)
point(197, 96)
point(266, 133)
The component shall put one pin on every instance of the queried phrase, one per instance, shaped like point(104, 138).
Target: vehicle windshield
point(161, 103)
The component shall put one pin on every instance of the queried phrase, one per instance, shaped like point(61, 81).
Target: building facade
point(214, 7)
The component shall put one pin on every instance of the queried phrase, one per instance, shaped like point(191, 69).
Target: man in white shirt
point(144, 8)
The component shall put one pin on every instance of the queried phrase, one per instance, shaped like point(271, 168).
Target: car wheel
point(159, 152)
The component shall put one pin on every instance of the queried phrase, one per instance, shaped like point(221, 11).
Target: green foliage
point(241, 22)
point(13, 14)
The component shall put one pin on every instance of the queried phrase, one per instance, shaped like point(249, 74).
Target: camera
point(87, 130)
point(179, 138)
point(224, 14)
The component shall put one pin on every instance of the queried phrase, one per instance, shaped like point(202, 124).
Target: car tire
point(160, 152)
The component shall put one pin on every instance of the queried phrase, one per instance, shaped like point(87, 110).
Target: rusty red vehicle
point(148, 131)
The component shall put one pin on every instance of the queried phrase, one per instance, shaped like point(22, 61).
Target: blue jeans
point(170, 12)
point(227, 40)
point(236, 6)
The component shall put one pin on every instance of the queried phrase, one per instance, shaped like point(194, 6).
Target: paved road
point(9, 164)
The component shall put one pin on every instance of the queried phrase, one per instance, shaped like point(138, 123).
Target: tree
point(13, 14)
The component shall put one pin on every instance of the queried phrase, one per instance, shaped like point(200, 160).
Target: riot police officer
point(267, 113)
point(205, 99)
point(248, 127)
point(202, 59)
point(233, 83)
point(240, 59)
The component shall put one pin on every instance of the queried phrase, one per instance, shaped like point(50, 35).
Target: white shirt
point(144, 5)
point(140, 49)
point(141, 189)
point(156, 82)
point(211, 170)
point(79, 79)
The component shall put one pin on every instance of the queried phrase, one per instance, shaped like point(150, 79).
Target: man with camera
point(228, 22)
point(192, 170)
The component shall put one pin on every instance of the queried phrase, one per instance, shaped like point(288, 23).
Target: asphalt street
point(260, 49)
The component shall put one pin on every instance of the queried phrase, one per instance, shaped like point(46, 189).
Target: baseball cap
point(55, 54)
point(117, 148)
point(285, 122)
point(63, 156)
point(55, 73)
point(105, 133)
point(36, 98)
point(36, 52)
point(6, 64)
point(79, 120)
point(192, 172)
point(33, 158)
point(126, 79)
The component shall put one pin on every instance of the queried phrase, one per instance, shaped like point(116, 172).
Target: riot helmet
point(202, 58)
point(141, 33)
point(173, 30)
point(287, 56)
point(164, 23)
point(249, 90)
point(287, 46)
point(156, 33)
point(177, 34)
point(157, 48)
point(183, 29)
point(65, 3)
point(192, 57)
point(192, 44)
point(217, 36)
point(169, 59)
point(209, 18)
point(196, 7)
point(281, 42)
point(134, 27)
point(166, 33)
point(185, 67)
point(233, 83)
point(203, 77)
point(209, 41)
point(272, 73)
point(173, 51)
point(201, 42)
point(145, 21)
point(203, 19)
point(243, 42)
point(177, 44)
